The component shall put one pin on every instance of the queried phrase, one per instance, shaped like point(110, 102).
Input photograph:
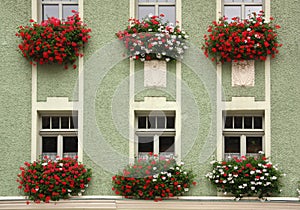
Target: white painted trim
point(132, 137)
point(178, 112)
point(268, 107)
point(178, 6)
point(219, 9)
point(219, 114)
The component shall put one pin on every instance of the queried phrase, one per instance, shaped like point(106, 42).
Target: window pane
point(67, 10)
point(46, 122)
point(49, 144)
point(228, 122)
point(238, 122)
point(250, 9)
point(151, 122)
point(166, 144)
point(161, 121)
point(65, 122)
point(226, 1)
point(232, 11)
point(169, 12)
point(145, 11)
point(258, 123)
point(170, 122)
point(232, 144)
point(142, 1)
point(141, 122)
point(50, 10)
point(74, 122)
point(145, 144)
point(248, 122)
point(253, 144)
point(257, 1)
point(70, 144)
point(248, 1)
point(55, 122)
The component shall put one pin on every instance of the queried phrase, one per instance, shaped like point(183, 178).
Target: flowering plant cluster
point(152, 39)
point(47, 180)
point(153, 178)
point(246, 176)
point(53, 40)
point(252, 38)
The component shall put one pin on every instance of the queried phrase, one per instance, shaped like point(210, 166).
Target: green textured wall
point(15, 96)
point(285, 95)
point(106, 18)
point(196, 15)
point(169, 92)
point(258, 91)
point(55, 81)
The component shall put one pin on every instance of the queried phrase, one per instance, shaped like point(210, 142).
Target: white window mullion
point(156, 144)
point(60, 146)
point(243, 145)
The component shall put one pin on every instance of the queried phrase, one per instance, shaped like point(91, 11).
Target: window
point(243, 135)
point(59, 136)
point(241, 8)
point(157, 7)
point(58, 8)
point(155, 133)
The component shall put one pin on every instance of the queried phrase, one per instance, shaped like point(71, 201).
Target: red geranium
point(47, 180)
point(252, 38)
point(53, 40)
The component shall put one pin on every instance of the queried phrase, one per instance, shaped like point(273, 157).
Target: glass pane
point(239, 0)
point(248, 1)
point(166, 144)
point(248, 122)
point(49, 144)
point(151, 122)
point(226, 1)
point(50, 10)
point(46, 122)
point(141, 122)
point(145, 144)
point(228, 122)
point(161, 122)
point(253, 144)
point(232, 144)
point(169, 12)
point(67, 10)
point(65, 122)
point(170, 122)
point(238, 122)
point(55, 122)
point(74, 122)
point(250, 9)
point(232, 11)
point(145, 11)
point(258, 123)
point(70, 144)
point(257, 1)
point(142, 1)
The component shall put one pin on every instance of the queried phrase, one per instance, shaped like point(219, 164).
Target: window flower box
point(53, 40)
point(152, 39)
point(249, 39)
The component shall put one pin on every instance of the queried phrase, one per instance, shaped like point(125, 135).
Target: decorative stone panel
point(243, 73)
point(155, 73)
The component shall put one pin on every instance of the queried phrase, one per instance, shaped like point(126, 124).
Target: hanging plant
point(252, 38)
point(152, 39)
point(53, 40)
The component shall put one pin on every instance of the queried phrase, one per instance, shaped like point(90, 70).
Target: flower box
point(152, 39)
point(249, 39)
point(53, 40)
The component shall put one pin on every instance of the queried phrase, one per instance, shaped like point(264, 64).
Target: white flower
point(241, 187)
point(179, 185)
point(273, 177)
point(225, 193)
point(248, 29)
point(80, 194)
point(252, 182)
point(261, 178)
point(217, 181)
point(252, 188)
point(169, 174)
point(69, 190)
point(61, 164)
point(163, 178)
point(260, 152)
point(44, 164)
point(252, 172)
point(235, 167)
point(82, 190)
point(177, 168)
point(245, 185)
point(266, 174)
point(185, 173)
point(167, 59)
point(186, 189)
point(155, 176)
point(154, 180)
point(284, 174)
point(182, 163)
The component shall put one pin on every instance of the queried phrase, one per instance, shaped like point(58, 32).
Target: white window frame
point(154, 132)
point(243, 133)
point(60, 7)
point(60, 133)
point(243, 5)
point(156, 4)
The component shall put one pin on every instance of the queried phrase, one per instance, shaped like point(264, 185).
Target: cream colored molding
point(132, 7)
point(243, 73)
point(56, 104)
point(155, 73)
point(155, 104)
point(219, 114)
point(218, 9)
point(244, 103)
point(268, 107)
point(178, 12)
point(131, 116)
point(267, 8)
point(178, 112)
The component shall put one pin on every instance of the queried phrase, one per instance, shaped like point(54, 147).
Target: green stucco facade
point(106, 94)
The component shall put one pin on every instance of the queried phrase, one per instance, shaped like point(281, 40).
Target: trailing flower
point(246, 176)
point(153, 178)
point(152, 39)
point(252, 38)
point(53, 40)
point(46, 180)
